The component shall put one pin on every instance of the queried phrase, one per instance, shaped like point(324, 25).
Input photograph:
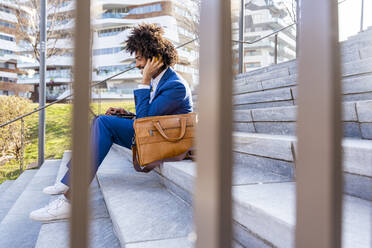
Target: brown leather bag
point(162, 138)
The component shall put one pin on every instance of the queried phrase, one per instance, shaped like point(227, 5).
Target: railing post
point(362, 17)
point(81, 156)
point(241, 37)
point(276, 49)
point(213, 201)
point(319, 166)
point(22, 146)
point(42, 70)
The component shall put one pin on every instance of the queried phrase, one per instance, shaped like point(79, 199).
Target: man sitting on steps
point(162, 92)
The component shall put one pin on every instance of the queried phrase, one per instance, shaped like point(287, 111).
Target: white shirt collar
point(155, 81)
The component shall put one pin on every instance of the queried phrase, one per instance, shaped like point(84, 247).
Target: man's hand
point(113, 111)
point(151, 68)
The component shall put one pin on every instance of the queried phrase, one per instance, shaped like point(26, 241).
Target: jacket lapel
point(163, 79)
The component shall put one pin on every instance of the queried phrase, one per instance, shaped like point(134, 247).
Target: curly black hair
point(148, 41)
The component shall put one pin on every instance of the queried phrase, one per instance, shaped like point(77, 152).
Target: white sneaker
point(56, 210)
point(56, 189)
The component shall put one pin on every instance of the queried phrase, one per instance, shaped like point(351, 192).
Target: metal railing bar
point(93, 85)
point(264, 37)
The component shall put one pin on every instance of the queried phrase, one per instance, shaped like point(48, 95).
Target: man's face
point(140, 61)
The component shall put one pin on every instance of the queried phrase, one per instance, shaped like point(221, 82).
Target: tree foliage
point(28, 30)
point(11, 135)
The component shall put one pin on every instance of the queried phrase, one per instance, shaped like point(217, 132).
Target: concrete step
point(355, 52)
point(143, 211)
point(16, 229)
point(275, 153)
point(101, 234)
point(356, 68)
point(264, 212)
point(9, 197)
point(357, 118)
point(250, 82)
point(5, 185)
point(357, 85)
point(268, 210)
point(264, 99)
point(365, 35)
point(352, 87)
point(271, 72)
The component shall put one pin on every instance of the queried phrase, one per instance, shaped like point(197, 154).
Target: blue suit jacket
point(172, 96)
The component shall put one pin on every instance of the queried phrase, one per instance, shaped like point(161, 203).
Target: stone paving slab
point(5, 185)
point(366, 129)
point(265, 145)
point(269, 211)
point(248, 87)
point(10, 196)
point(244, 127)
point(56, 235)
point(357, 67)
point(275, 166)
point(357, 156)
point(264, 96)
point(359, 84)
point(179, 177)
point(275, 114)
point(101, 233)
point(356, 183)
point(357, 153)
point(366, 52)
point(272, 104)
point(165, 243)
point(364, 111)
point(137, 203)
point(16, 229)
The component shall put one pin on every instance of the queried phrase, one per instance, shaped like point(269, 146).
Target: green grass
point(57, 135)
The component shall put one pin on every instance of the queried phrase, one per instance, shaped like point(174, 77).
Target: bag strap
point(161, 131)
point(186, 155)
point(137, 166)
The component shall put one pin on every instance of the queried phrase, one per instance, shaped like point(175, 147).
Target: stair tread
point(56, 234)
point(136, 203)
point(5, 185)
point(16, 229)
point(268, 208)
point(183, 173)
point(277, 202)
point(9, 197)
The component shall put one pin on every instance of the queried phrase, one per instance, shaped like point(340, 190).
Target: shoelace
point(56, 203)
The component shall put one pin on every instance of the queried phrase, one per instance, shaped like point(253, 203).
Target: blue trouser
point(106, 130)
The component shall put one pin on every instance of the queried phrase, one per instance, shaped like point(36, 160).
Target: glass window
point(6, 79)
point(5, 37)
point(7, 66)
point(111, 31)
point(7, 24)
point(104, 51)
point(146, 9)
point(6, 10)
point(4, 51)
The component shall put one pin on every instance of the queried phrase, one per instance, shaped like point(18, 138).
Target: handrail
point(129, 69)
point(264, 37)
point(93, 85)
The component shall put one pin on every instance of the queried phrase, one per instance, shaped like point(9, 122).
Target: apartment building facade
point(112, 23)
point(9, 55)
point(261, 18)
